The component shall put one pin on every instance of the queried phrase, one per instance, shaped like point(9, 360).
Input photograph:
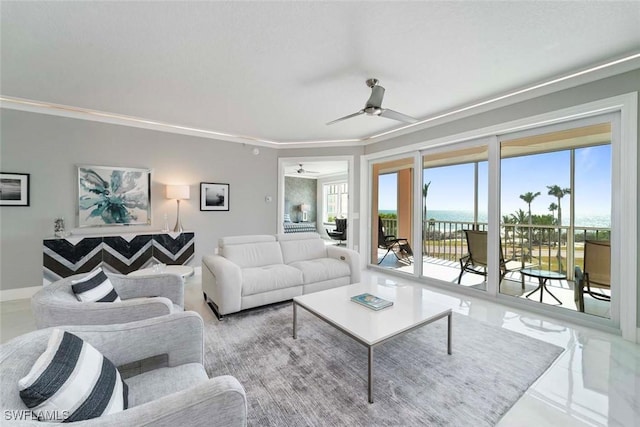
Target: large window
point(561, 202)
point(392, 215)
point(336, 201)
point(454, 215)
point(555, 204)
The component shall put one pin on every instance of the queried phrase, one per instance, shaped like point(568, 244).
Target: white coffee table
point(183, 271)
point(411, 309)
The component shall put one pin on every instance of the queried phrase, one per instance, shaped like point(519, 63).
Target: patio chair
point(476, 259)
point(398, 245)
point(340, 233)
point(596, 274)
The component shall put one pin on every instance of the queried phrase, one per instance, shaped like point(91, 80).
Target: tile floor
point(595, 382)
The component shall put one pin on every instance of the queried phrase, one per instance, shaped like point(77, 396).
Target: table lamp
point(178, 192)
point(304, 208)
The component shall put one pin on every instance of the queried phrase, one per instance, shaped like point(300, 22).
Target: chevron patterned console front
point(119, 254)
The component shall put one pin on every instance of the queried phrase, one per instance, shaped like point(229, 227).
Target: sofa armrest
point(53, 313)
point(178, 335)
point(159, 285)
point(222, 282)
point(349, 256)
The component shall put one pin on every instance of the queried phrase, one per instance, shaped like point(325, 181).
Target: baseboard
point(637, 335)
point(19, 293)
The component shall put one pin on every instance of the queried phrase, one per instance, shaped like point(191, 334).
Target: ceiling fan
point(302, 170)
point(373, 107)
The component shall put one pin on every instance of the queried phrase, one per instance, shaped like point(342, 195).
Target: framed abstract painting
point(112, 195)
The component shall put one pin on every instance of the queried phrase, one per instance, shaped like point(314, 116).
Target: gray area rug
point(320, 379)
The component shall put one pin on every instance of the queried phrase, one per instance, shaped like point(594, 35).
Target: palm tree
point(552, 208)
point(528, 198)
point(519, 217)
point(425, 192)
point(559, 193)
point(507, 219)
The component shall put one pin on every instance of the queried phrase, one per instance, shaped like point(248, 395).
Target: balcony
point(444, 243)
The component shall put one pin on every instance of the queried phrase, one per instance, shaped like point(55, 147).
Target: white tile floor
point(595, 382)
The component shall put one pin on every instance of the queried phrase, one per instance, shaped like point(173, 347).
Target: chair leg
point(385, 255)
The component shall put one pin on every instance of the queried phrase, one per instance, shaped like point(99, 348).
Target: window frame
point(625, 198)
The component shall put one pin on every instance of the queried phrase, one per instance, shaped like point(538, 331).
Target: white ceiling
point(279, 71)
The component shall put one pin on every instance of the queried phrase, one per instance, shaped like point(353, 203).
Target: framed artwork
point(14, 189)
point(109, 195)
point(214, 197)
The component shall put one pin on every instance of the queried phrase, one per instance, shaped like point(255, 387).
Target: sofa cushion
point(73, 381)
point(94, 287)
point(269, 278)
point(155, 384)
point(321, 269)
point(249, 255)
point(301, 246)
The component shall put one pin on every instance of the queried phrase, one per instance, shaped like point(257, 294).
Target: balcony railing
point(445, 240)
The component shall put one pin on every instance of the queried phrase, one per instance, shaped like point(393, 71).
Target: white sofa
point(250, 271)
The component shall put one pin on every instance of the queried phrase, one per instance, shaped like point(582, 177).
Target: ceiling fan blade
point(346, 117)
point(391, 114)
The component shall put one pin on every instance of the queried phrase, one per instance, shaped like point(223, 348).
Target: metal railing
point(548, 248)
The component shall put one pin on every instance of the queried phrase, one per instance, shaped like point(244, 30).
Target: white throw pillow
point(72, 381)
point(95, 287)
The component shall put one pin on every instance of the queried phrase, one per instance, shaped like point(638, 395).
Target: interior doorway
point(316, 195)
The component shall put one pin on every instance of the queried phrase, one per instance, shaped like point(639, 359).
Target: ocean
point(602, 221)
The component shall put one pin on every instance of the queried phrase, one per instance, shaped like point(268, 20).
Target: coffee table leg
point(449, 333)
point(295, 320)
point(370, 385)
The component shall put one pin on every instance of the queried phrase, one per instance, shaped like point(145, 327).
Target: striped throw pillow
point(95, 287)
point(72, 381)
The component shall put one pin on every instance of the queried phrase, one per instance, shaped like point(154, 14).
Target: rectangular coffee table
point(411, 309)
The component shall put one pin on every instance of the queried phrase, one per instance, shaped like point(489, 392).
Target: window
point(336, 201)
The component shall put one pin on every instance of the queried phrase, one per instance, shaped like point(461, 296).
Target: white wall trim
point(629, 215)
point(18, 293)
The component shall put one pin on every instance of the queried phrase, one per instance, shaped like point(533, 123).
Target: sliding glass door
point(555, 198)
point(454, 215)
point(392, 215)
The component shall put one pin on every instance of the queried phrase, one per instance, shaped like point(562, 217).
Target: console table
point(121, 253)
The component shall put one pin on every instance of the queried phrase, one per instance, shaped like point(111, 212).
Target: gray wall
point(298, 191)
point(49, 148)
point(600, 89)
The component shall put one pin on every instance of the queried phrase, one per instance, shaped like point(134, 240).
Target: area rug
point(320, 379)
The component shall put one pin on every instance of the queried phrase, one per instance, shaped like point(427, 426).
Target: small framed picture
point(14, 189)
point(214, 197)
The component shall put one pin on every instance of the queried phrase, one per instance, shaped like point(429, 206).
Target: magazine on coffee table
point(371, 301)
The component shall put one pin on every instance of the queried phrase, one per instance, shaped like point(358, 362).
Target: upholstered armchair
point(180, 393)
point(142, 298)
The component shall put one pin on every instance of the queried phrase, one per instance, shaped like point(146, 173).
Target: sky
point(452, 186)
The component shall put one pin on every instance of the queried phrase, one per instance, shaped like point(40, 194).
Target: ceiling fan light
point(373, 111)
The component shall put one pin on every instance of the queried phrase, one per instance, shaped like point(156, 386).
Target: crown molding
point(586, 75)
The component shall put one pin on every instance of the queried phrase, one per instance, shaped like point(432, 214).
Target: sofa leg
point(214, 308)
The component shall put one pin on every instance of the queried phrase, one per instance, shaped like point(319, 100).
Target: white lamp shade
point(180, 192)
